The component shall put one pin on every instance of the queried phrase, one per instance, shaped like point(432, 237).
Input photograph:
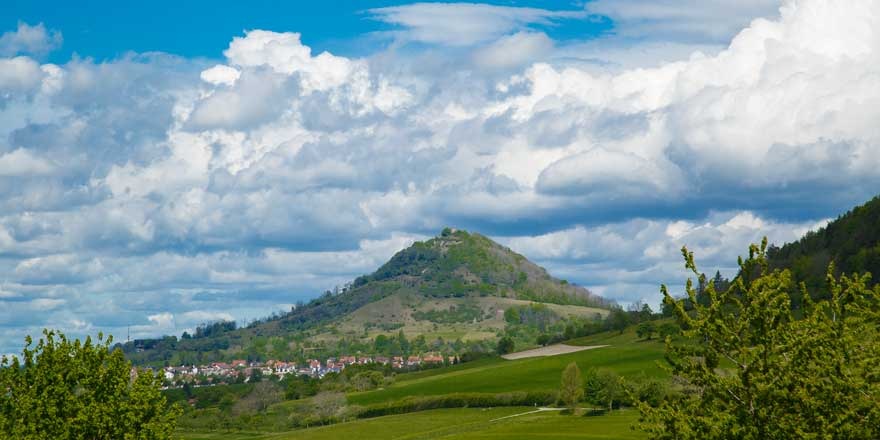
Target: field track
point(550, 350)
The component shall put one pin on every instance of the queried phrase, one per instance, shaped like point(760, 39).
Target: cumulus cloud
point(629, 260)
point(463, 24)
point(153, 185)
point(22, 162)
point(32, 40)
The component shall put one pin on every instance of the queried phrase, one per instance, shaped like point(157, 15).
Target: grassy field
point(461, 424)
point(625, 355)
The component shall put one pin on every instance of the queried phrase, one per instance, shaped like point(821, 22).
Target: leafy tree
point(668, 329)
point(617, 319)
point(572, 390)
point(80, 390)
point(604, 387)
point(755, 370)
point(646, 330)
point(327, 405)
point(300, 386)
point(505, 345)
point(404, 343)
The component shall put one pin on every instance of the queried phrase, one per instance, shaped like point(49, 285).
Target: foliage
point(505, 345)
point(462, 313)
point(646, 330)
point(755, 370)
point(851, 242)
point(262, 395)
point(63, 389)
point(299, 387)
point(572, 389)
point(668, 329)
point(604, 387)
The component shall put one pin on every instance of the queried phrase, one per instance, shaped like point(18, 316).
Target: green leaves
point(572, 389)
point(72, 390)
point(750, 368)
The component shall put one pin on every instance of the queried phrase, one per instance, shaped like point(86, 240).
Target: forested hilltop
point(448, 294)
point(851, 242)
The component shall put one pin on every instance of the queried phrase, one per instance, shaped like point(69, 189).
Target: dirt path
point(542, 409)
point(550, 350)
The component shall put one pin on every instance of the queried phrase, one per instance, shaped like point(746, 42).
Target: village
point(244, 371)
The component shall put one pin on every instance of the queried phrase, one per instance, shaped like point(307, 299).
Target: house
point(282, 368)
point(413, 361)
point(239, 363)
point(432, 358)
point(314, 365)
point(382, 360)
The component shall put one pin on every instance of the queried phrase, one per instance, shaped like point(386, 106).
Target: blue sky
point(109, 29)
point(199, 161)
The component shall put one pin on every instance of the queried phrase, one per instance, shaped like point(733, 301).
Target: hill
point(851, 242)
point(446, 294)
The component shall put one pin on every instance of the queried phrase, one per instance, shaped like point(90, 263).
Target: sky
point(169, 164)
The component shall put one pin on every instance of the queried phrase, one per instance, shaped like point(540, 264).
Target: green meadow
point(629, 358)
point(460, 424)
point(625, 354)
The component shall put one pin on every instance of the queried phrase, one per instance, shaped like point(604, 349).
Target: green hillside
point(446, 294)
point(851, 242)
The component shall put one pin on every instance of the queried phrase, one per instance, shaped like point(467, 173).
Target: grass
point(625, 355)
point(461, 424)
point(535, 374)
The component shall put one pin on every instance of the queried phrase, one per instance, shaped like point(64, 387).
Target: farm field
point(627, 358)
point(460, 424)
point(624, 354)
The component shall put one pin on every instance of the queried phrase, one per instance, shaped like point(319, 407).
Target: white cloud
point(19, 74)
point(22, 162)
point(703, 20)
point(463, 24)
point(152, 185)
point(628, 261)
point(220, 74)
point(513, 50)
point(34, 40)
point(284, 53)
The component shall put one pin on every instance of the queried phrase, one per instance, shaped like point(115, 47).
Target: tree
point(617, 319)
point(646, 330)
point(259, 399)
point(755, 370)
point(80, 390)
point(404, 343)
point(327, 405)
point(572, 390)
point(668, 329)
point(505, 345)
point(604, 387)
